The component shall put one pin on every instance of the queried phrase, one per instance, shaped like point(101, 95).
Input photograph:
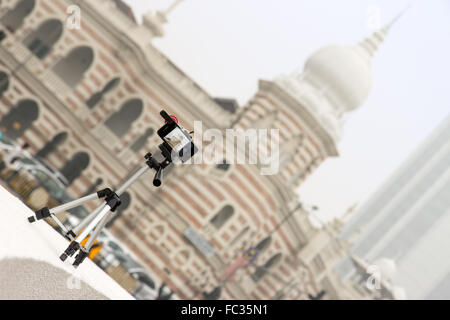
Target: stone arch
point(98, 96)
point(273, 261)
point(53, 144)
point(224, 166)
point(142, 140)
point(222, 216)
point(264, 244)
point(94, 186)
point(14, 18)
point(75, 166)
point(269, 264)
point(20, 118)
point(74, 65)
point(42, 39)
point(125, 200)
point(121, 121)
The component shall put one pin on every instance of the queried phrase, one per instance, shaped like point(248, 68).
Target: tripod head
point(177, 146)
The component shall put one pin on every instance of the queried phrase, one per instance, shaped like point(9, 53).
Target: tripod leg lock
point(104, 193)
point(82, 254)
point(151, 162)
point(71, 249)
point(113, 201)
point(111, 198)
point(40, 214)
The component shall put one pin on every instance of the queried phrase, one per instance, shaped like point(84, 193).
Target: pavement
point(30, 267)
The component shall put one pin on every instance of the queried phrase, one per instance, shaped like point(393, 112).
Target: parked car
point(47, 177)
point(32, 165)
point(56, 185)
point(148, 289)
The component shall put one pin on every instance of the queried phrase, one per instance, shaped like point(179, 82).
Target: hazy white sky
point(227, 45)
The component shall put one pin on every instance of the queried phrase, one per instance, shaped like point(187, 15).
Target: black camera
point(177, 143)
point(177, 146)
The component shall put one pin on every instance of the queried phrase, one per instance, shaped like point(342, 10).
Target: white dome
point(344, 72)
point(387, 267)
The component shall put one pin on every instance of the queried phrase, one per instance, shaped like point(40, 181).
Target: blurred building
point(407, 220)
point(88, 101)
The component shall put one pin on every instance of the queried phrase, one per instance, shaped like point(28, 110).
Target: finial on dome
point(156, 22)
point(172, 7)
point(371, 44)
point(398, 16)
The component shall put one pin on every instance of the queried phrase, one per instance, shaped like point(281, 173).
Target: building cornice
point(157, 66)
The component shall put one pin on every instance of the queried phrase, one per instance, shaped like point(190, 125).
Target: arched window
point(120, 122)
point(4, 83)
point(93, 187)
point(72, 67)
point(125, 200)
point(222, 216)
point(224, 166)
point(51, 146)
point(14, 18)
point(273, 260)
point(19, 118)
point(142, 140)
point(98, 96)
point(74, 167)
point(263, 244)
point(41, 40)
point(262, 270)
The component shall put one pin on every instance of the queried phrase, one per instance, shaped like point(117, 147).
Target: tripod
point(92, 224)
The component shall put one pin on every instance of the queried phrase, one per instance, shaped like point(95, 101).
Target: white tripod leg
point(84, 251)
point(99, 215)
point(94, 223)
point(88, 219)
point(46, 212)
point(75, 244)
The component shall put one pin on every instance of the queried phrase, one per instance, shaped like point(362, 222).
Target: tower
point(310, 107)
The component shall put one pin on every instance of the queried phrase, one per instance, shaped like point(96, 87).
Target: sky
point(226, 46)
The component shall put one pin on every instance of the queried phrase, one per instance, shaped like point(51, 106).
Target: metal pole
point(89, 218)
point(97, 231)
point(133, 178)
point(93, 223)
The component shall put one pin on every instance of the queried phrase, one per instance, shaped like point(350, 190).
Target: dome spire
point(156, 22)
point(371, 44)
point(175, 4)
